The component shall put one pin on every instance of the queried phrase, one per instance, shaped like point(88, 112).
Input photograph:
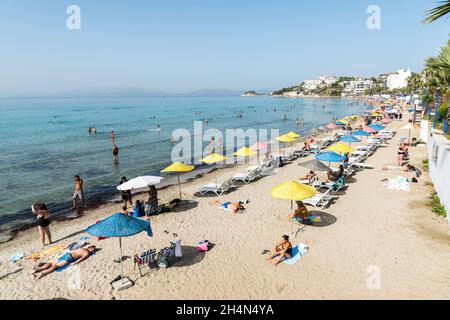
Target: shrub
point(442, 111)
point(437, 207)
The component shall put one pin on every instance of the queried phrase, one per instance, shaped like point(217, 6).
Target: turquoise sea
point(45, 142)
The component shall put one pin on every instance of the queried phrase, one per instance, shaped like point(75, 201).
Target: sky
point(185, 45)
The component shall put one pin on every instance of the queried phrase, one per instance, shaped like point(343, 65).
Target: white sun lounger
point(216, 188)
point(321, 200)
point(248, 176)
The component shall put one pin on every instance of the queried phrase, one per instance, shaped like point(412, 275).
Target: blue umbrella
point(361, 133)
point(377, 127)
point(120, 225)
point(350, 139)
point(330, 157)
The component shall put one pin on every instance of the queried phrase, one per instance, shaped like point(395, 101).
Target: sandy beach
point(367, 228)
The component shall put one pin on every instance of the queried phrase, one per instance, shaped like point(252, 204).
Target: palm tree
point(438, 12)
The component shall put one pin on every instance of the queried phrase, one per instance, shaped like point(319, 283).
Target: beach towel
point(297, 253)
point(76, 245)
point(16, 257)
point(399, 183)
point(39, 255)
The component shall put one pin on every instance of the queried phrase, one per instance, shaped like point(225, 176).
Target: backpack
point(162, 261)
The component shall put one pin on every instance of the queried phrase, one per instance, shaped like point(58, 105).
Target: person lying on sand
point(71, 258)
point(310, 176)
point(232, 206)
point(283, 249)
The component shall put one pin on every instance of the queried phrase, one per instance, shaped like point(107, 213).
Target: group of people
point(140, 208)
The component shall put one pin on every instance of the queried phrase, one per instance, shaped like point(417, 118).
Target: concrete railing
point(439, 162)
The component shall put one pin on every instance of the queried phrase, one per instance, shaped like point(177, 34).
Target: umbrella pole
point(179, 186)
point(121, 259)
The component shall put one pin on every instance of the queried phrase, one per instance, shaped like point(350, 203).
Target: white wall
point(439, 161)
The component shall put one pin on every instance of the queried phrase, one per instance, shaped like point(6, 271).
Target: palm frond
point(438, 12)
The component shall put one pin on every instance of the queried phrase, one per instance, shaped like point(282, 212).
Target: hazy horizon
point(185, 46)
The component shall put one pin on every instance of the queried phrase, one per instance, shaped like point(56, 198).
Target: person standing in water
point(297, 122)
point(78, 192)
point(113, 137)
point(115, 151)
point(303, 122)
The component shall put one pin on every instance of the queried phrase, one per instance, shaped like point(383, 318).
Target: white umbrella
point(408, 127)
point(140, 183)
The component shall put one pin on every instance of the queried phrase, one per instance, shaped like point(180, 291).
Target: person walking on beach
point(126, 194)
point(78, 192)
point(152, 200)
point(212, 145)
point(115, 151)
point(43, 222)
point(113, 137)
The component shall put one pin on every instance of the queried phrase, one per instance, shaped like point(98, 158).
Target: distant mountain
point(90, 92)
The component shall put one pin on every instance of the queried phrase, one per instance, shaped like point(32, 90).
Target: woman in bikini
point(43, 222)
point(300, 214)
point(283, 249)
point(400, 154)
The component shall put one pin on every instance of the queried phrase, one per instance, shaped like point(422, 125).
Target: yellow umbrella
point(293, 134)
point(285, 139)
point(342, 121)
point(341, 148)
point(214, 158)
point(293, 191)
point(245, 152)
point(376, 114)
point(178, 167)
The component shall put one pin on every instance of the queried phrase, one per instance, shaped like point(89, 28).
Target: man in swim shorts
point(78, 192)
point(70, 258)
point(283, 249)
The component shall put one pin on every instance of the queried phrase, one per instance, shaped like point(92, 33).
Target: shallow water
point(45, 142)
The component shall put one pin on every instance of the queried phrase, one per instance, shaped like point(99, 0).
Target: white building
point(309, 85)
point(328, 80)
point(399, 79)
point(357, 86)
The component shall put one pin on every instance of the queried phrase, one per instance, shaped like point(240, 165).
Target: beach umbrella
point(350, 139)
point(369, 130)
point(332, 126)
point(315, 165)
point(245, 152)
point(213, 159)
point(120, 225)
point(386, 120)
point(377, 127)
point(341, 148)
point(259, 146)
point(330, 157)
point(376, 114)
point(293, 134)
point(293, 191)
point(342, 122)
point(408, 127)
point(361, 133)
point(140, 183)
point(178, 167)
point(285, 139)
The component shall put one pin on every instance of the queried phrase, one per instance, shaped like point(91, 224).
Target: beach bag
point(162, 261)
point(204, 246)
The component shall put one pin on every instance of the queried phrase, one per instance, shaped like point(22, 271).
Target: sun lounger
point(247, 177)
point(320, 201)
point(218, 189)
